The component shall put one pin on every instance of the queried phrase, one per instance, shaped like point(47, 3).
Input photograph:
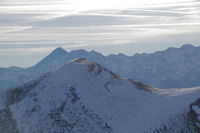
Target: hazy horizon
point(29, 30)
point(47, 53)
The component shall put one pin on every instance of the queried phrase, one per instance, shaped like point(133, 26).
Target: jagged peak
point(79, 51)
point(185, 46)
point(58, 51)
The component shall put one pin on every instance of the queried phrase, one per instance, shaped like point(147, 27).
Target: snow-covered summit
point(171, 68)
point(59, 51)
point(81, 96)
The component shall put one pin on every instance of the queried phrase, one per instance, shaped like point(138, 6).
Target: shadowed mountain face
point(54, 59)
point(172, 68)
point(81, 96)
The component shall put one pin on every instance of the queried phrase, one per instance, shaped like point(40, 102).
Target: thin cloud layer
point(127, 25)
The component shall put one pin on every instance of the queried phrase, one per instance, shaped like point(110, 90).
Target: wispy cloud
point(99, 25)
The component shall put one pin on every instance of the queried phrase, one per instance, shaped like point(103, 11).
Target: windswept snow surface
point(83, 97)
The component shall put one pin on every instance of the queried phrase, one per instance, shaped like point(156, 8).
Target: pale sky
point(30, 29)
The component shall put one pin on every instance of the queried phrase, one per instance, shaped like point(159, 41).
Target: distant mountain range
point(81, 96)
point(172, 68)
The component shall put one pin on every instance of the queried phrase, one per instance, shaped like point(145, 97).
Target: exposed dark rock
point(7, 122)
point(141, 85)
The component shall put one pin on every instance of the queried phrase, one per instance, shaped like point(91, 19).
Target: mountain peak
point(51, 61)
point(58, 50)
point(186, 46)
point(79, 51)
point(81, 96)
point(91, 66)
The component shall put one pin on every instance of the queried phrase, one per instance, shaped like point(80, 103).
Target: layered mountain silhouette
point(172, 68)
point(81, 96)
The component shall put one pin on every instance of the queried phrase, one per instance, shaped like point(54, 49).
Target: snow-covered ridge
point(172, 68)
point(97, 69)
point(81, 96)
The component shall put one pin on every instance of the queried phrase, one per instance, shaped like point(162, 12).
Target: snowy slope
point(172, 68)
point(83, 97)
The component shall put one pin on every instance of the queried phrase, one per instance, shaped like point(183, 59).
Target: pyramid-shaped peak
point(55, 58)
point(59, 50)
